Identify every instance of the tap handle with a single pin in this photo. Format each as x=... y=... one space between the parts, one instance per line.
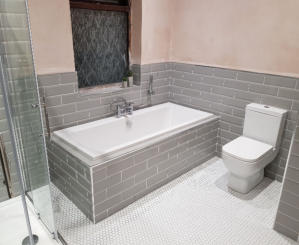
x=130 y=108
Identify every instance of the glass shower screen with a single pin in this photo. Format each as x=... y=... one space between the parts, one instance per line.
x=24 y=105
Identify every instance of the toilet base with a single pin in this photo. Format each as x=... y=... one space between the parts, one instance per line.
x=245 y=184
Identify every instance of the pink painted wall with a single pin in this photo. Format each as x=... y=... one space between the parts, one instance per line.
x=256 y=35
x=156 y=30
x=52 y=36
x=136 y=31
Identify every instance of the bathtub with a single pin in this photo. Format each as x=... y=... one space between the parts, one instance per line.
x=105 y=165
x=100 y=141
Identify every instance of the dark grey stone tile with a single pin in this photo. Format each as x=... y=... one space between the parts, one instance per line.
x=223 y=91
x=288 y=93
x=225 y=73
x=100 y=197
x=120 y=206
x=248 y=96
x=145 y=174
x=49 y=79
x=263 y=89
x=87 y=105
x=135 y=190
x=280 y=81
x=100 y=216
x=291 y=186
x=145 y=154
x=118 y=188
x=235 y=84
x=134 y=170
x=156 y=179
x=289 y=210
x=156 y=160
x=59 y=90
x=289 y=198
x=120 y=165
x=286 y=231
x=293 y=174
x=204 y=70
x=184 y=67
x=213 y=80
x=250 y=76
x=99 y=175
x=108 y=203
x=287 y=221
x=158 y=67
x=69 y=77
x=110 y=181
x=75 y=116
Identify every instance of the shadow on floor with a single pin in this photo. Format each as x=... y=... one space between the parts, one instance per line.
x=221 y=183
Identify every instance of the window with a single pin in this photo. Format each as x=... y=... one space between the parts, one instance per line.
x=100 y=36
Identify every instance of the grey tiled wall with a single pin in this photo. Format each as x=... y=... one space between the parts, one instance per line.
x=119 y=182
x=67 y=106
x=226 y=92
x=223 y=92
x=287 y=219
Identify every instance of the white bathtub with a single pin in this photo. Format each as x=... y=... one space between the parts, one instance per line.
x=105 y=139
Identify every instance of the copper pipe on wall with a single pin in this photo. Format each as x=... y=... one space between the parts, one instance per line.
x=5 y=166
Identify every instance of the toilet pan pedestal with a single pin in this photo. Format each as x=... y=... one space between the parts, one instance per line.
x=244 y=184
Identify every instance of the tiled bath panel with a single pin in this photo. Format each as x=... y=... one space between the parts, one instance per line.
x=72 y=177
x=226 y=92
x=101 y=190
x=196 y=208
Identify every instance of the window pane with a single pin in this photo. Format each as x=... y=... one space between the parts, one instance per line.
x=100 y=46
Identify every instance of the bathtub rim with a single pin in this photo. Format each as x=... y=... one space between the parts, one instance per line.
x=73 y=150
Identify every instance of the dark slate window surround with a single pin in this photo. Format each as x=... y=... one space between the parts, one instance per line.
x=100 y=45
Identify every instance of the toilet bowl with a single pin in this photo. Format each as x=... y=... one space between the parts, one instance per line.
x=246 y=159
x=248 y=155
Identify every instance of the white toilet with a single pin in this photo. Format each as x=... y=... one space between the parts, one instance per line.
x=248 y=155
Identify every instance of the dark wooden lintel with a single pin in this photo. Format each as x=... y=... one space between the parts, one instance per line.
x=99 y=6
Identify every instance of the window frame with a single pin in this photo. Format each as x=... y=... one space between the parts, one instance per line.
x=81 y=4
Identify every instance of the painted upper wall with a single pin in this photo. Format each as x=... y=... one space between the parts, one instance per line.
x=156 y=30
x=52 y=36
x=136 y=32
x=256 y=35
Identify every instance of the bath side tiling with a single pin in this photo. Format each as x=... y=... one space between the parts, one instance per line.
x=103 y=189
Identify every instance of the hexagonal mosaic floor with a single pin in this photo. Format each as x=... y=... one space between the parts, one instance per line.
x=196 y=208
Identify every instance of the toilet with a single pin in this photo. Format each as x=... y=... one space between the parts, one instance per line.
x=248 y=155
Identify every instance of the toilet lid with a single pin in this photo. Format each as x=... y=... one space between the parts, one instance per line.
x=246 y=149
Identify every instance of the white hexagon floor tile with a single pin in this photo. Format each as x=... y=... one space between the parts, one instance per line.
x=196 y=208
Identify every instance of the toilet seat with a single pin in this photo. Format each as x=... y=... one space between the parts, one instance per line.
x=247 y=150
